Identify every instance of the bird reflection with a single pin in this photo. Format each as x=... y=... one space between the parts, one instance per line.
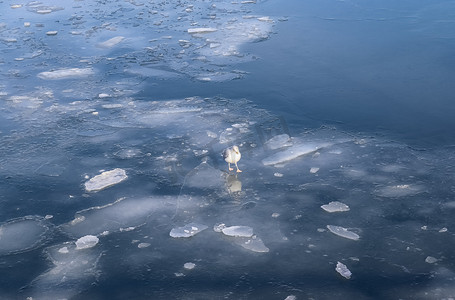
x=233 y=184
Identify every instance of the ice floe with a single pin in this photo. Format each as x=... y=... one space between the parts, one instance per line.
x=105 y=179
x=343 y=232
x=86 y=242
x=335 y=206
x=188 y=230
x=189 y=265
x=343 y=270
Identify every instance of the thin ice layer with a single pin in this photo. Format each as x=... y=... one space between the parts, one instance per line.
x=238 y=231
x=70 y=73
x=73 y=271
x=22 y=234
x=123 y=213
x=292 y=153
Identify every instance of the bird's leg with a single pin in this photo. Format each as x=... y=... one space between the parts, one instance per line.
x=229 y=166
x=238 y=170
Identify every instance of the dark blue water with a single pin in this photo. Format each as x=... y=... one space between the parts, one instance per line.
x=328 y=101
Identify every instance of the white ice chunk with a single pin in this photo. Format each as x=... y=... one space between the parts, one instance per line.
x=431 y=260
x=66 y=73
x=335 y=206
x=188 y=230
x=189 y=265
x=238 y=231
x=105 y=179
x=143 y=245
x=343 y=270
x=314 y=170
x=292 y=153
x=343 y=232
x=63 y=250
x=86 y=242
x=51 y=33
x=201 y=30
x=111 y=42
x=291 y=297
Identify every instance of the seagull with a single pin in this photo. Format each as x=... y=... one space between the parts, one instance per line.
x=232 y=156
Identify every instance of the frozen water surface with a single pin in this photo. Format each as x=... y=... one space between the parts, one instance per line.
x=94 y=93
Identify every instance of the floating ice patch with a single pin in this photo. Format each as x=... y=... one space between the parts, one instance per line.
x=87 y=241
x=189 y=265
x=343 y=270
x=400 y=190
x=431 y=260
x=314 y=170
x=105 y=179
x=279 y=141
x=238 y=231
x=111 y=42
x=188 y=230
x=143 y=245
x=343 y=232
x=335 y=206
x=292 y=153
x=22 y=234
x=66 y=73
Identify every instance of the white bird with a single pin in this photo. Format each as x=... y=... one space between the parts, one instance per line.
x=232 y=156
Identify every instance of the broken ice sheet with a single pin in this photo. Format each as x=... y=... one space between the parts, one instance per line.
x=73 y=271
x=335 y=206
x=188 y=230
x=105 y=179
x=343 y=270
x=343 y=232
x=278 y=141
